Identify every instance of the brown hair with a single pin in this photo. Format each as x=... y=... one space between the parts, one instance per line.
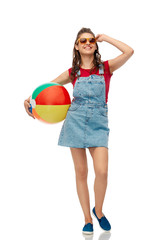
x=77 y=58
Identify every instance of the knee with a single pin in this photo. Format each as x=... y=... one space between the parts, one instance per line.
x=81 y=173
x=102 y=173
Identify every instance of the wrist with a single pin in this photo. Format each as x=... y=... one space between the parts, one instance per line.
x=105 y=37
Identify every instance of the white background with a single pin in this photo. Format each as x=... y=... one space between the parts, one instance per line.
x=38 y=198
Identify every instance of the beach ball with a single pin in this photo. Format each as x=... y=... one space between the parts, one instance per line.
x=50 y=102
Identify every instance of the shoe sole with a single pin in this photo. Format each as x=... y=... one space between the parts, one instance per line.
x=108 y=231
x=87 y=233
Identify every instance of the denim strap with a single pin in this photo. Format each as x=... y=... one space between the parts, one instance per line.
x=101 y=70
x=79 y=73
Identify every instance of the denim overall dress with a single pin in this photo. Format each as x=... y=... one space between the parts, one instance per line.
x=86 y=122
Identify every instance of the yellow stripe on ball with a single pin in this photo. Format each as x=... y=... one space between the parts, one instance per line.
x=52 y=113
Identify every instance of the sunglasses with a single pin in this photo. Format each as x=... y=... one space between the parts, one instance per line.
x=84 y=40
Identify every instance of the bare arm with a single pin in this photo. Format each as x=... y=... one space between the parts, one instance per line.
x=117 y=62
x=63 y=78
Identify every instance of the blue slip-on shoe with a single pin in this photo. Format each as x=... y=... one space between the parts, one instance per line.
x=103 y=222
x=88 y=228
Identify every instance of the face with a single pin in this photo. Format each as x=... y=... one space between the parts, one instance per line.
x=86 y=48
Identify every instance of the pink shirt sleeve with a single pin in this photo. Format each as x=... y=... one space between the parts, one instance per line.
x=106 y=66
x=73 y=82
x=69 y=70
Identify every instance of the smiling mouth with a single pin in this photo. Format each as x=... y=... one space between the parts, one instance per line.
x=87 y=47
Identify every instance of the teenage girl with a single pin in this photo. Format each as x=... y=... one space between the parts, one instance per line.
x=86 y=123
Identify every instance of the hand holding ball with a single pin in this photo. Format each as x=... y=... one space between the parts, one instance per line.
x=50 y=102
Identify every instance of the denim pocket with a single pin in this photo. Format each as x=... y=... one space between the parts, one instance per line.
x=96 y=88
x=90 y=88
x=74 y=107
x=103 y=111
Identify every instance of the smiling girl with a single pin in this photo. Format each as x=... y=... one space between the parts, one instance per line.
x=86 y=123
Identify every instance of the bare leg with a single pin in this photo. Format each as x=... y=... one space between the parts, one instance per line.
x=100 y=161
x=81 y=170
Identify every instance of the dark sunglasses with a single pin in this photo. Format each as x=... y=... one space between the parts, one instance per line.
x=84 y=40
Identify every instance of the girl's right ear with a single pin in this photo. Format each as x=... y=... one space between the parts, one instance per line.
x=76 y=47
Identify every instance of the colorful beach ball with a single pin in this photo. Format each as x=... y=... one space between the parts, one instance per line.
x=50 y=102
